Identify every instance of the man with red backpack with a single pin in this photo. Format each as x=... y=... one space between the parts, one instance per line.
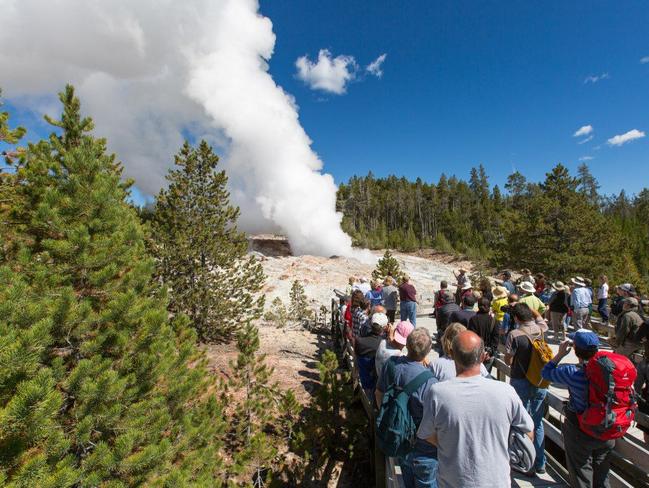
x=600 y=408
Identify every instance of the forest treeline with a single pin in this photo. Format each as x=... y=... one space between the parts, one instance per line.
x=561 y=226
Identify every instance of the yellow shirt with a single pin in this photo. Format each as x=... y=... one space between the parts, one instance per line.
x=497 y=306
x=533 y=302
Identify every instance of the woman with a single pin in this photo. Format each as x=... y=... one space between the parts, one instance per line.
x=359 y=309
x=443 y=367
x=483 y=324
x=602 y=298
x=485 y=288
x=540 y=284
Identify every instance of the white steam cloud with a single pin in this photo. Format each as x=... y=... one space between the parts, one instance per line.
x=151 y=72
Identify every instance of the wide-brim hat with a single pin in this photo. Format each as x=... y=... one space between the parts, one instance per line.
x=462 y=270
x=402 y=331
x=467 y=286
x=527 y=286
x=577 y=281
x=500 y=292
x=559 y=286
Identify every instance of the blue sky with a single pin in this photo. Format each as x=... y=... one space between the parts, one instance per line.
x=468 y=82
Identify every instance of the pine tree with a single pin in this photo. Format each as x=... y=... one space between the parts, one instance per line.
x=387 y=266
x=254 y=449
x=299 y=308
x=8 y=135
x=278 y=314
x=98 y=387
x=202 y=257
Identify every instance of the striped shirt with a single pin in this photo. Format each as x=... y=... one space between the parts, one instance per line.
x=572 y=376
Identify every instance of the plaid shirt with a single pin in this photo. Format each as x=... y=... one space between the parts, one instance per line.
x=359 y=323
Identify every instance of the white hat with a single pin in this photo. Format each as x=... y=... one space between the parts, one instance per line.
x=380 y=319
x=578 y=281
x=527 y=287
x=559 y=286
x=467 y=286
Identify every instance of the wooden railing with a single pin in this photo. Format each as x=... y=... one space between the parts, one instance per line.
x=630 y=463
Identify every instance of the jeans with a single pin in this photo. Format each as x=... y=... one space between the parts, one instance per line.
x=602 y=309
x=409 y=312
x=533 y=399
x=587 y=458
x=419 y=470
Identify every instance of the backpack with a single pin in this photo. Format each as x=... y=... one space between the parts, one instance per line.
x=540 y=356
x=611 y=397
x=395 y=427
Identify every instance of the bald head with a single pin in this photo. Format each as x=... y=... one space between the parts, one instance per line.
x=468 y=351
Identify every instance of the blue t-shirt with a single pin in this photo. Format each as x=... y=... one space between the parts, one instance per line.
x=406 y=370
x=375 y=297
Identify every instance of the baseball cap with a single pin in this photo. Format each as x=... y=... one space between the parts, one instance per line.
x=379 y=319
x=402 y=331
x=585 y=339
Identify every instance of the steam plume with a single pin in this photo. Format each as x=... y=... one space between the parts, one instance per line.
x=152 y=71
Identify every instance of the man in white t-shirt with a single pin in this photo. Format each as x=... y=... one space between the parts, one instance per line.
x=602 y=298
x=472 y=441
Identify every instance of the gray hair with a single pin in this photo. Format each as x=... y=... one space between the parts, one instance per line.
x=419 y=344
x=467 y=359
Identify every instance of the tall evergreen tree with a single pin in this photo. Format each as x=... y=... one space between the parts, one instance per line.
x=202 y=256
x=387 y=266
x=96 y=387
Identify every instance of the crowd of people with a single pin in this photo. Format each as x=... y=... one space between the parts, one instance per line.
x=476 y=324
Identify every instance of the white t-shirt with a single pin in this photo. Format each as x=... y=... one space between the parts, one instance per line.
x=383 y=353
x=443 y=369
x=471 y=418
x=602 y=292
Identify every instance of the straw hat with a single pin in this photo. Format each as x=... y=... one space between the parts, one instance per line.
x=578 y=281
x=559 y=286
x=500 y=292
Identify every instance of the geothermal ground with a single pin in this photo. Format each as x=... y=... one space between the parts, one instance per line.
x=294 y=350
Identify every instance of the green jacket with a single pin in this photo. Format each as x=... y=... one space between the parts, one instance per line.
x=627 y=325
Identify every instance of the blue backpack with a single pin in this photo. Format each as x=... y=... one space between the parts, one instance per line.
x=395 y=427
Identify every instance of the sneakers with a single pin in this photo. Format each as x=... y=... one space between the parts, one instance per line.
x=540 y=470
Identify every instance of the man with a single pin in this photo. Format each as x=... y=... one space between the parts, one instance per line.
x=580 y=301
x=443 y=287
x=365 y=349
x=526 y=276
x=530 y=299
x=443 y=315
x=461 y=278
x=419 y=467
x=587 y=457
x=408 y=299
x=390 y=294
x=393 y=345
x=352 y=285
x=518 y=353
x=507 y=282
x=626 y=328
x=508 y=324
x=363 y=285
x=625 y=290
x=462 y=316
x=472 y=440
x=558 y=309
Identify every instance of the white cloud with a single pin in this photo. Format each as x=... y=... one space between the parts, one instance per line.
x=375 y=67
x=583 y=131
x=588 y=139
x=149 y=83
x=596 y=78
x=644 y=60
x=585 y=158
x=626 y=137
x=327 y=74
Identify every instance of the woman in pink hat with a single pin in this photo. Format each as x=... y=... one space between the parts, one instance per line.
x=394 y=344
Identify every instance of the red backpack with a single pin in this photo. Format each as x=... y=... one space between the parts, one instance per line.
x=611 y=397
